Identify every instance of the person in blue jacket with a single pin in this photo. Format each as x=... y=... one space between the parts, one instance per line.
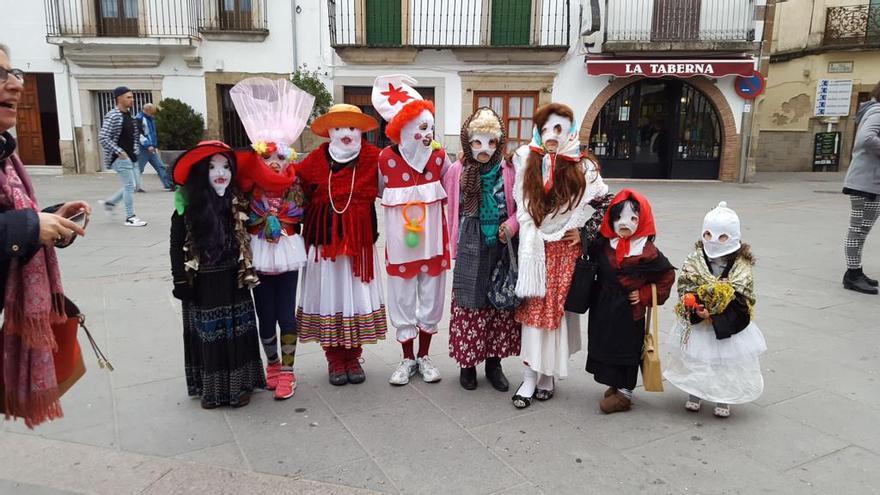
x=149 y=144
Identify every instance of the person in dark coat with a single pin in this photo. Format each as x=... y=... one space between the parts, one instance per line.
x=629 y=263
x=30 y=279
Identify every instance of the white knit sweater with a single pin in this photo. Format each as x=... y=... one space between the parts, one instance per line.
x=532 y=277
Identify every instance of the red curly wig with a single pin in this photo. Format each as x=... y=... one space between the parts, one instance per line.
x=409 y=111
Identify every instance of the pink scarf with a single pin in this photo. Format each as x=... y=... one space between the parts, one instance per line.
x=34 y=301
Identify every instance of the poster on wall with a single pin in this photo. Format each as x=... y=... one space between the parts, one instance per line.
x=833 y=97
x=826 y=152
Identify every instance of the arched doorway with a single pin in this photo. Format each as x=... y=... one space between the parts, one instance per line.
x=658 y=129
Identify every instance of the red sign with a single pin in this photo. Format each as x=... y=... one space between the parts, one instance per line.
x=667 y=67
x=749 y=87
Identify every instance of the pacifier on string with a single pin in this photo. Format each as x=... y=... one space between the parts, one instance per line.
x=413 y=227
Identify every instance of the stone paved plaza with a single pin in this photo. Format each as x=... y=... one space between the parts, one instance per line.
x=815 y=430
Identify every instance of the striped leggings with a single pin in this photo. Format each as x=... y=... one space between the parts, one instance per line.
x=862 y=217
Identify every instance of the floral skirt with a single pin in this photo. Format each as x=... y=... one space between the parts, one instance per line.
x=477 y=334
x=546 y=312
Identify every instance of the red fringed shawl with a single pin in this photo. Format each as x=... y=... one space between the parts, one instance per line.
x=351 y=233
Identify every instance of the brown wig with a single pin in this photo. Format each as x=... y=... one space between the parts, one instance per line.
x=569 y=183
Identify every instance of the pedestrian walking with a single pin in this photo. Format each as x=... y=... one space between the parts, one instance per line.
x=149 y=148
x=862 y=184
x=482 y=220
x=213 y=275
x=715 y=343
x=30 y=278
x=119 y=139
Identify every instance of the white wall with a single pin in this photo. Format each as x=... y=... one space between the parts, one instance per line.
x=24 y=33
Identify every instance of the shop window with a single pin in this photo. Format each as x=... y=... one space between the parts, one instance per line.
x=362 y=97
x=516 y=111
x=658 y=128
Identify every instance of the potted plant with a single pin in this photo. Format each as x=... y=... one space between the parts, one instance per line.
x=179 y=128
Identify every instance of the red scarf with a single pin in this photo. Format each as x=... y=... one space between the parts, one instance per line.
x=644 y=229
x=253 y=172
x=34 y=301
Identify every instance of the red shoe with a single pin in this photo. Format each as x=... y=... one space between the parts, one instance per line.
x=272 y=372
x=285 y=386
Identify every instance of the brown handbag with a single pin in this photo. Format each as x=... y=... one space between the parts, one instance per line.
x=69 y=365
x=652 y=374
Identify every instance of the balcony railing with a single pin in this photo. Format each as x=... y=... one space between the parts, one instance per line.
x=449 y=23
x=853 y=25
x=683 y=21
x=234 y=15
x=122 y=18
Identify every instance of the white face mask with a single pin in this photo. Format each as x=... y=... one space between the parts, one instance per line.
x=219 y=174
x=628 y=222
x=345 y=143
x=721 y=232
x=557 y=128
x=483 y=146
x=415 y=140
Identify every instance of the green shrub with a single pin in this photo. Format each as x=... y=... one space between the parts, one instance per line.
x=310 y=82
x=178 y=125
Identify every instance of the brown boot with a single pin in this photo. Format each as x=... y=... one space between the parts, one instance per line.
x=615 y=403
x=611 y=391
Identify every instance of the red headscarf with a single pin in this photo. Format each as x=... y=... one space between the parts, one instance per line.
x=253 y=171
x=644 y=229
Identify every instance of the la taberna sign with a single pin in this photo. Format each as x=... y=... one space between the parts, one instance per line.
x=599 y=66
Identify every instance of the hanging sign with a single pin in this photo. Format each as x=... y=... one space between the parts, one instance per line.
x=598 y=66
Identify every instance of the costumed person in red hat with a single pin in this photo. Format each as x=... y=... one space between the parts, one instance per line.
x=274 y=114
x=629 y=263
x=554 y=188
x=482 y=222
x=417 y=243
x=213 y=276
x=343 y=302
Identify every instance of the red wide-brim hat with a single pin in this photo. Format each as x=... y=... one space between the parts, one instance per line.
x=194 y=155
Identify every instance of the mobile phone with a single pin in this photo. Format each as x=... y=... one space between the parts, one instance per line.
x=81 y=219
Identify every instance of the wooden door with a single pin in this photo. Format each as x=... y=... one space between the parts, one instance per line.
x=236 y=15
x=676 y=20
x=117 y=17
x=29 y=128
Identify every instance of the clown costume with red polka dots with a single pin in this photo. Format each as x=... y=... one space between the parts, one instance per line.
x=417 y=242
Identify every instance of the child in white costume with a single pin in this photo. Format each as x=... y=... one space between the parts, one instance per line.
x=716 y=344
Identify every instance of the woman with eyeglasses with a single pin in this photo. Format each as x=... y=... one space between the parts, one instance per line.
x=30 y=281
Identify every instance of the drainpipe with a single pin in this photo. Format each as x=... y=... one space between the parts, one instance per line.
x=76 y=164
x=748 y=118
x=294 y=11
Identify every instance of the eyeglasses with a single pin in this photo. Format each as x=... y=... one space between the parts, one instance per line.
x=5 y=73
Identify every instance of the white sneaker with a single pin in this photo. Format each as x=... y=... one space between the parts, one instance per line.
x=401 y=375
x=134 y=222
x=430 y=374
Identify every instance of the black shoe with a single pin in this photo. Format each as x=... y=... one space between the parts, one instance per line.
x=468 y=378
x=872 y=282
x=856 y=280
x=519 y=401
x=495 y=375
x=355 y=372
x=338 y=375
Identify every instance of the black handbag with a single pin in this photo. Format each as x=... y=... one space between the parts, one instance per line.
x=582 y=282
x=502 y=287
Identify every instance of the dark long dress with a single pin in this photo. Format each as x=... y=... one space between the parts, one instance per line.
x=220 y=340
x=616 y=329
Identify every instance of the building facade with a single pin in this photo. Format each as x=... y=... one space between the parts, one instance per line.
x=651 y=82
x=831 y=44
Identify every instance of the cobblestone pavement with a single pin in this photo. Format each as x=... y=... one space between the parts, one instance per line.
x=135 y=431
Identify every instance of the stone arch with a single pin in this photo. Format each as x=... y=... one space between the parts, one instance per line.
x=730 y=144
